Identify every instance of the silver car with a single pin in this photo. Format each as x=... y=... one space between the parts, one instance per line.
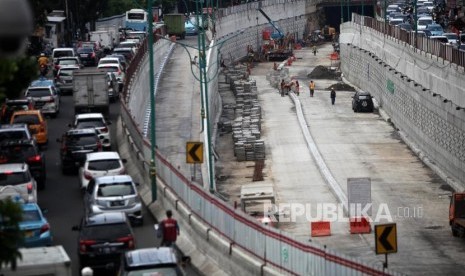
x=17 y=183
x=64 y=78
x=116 y=193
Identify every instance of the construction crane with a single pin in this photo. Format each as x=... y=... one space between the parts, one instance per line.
x=280 y=45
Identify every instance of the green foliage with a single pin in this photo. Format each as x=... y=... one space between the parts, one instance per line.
x=10 y=234
x=116 y=7
x=16 y=75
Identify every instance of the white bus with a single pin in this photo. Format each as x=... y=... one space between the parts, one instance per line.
x=136 y=19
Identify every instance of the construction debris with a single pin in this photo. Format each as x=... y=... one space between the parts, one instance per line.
x=322 y=72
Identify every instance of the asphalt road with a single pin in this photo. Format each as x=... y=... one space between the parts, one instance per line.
x=62 y=197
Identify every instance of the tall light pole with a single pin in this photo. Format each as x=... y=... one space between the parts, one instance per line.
x=342 y=13
x=153 y=169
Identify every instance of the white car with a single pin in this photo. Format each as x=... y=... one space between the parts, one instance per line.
x=423 y=22
x=17 y=183
x=96 y=121
x=44 y=93
x=110 y=60
x=100 y=164
x=115 y=68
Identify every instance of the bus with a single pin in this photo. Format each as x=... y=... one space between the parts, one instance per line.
x=136 y=19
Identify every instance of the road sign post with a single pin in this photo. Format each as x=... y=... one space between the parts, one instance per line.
x=386 y=240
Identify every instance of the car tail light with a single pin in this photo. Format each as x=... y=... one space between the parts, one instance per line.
x=35 y=158
x=87 y=175
x=29 y=188
x=99 y=146
x=44 y=228
x=51 y=100
x=105 y=130
x=84 y=243
x=42 y=127
x=129 y=240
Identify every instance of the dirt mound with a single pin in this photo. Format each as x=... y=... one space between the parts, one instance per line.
x=322 y=72
x=340 y=86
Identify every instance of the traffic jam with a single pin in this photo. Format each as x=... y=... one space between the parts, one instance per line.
x=78 y=91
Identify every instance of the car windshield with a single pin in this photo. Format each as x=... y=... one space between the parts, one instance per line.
x=106 y=231
x=109 y=69
x=67 y=62
x=104 y=165
x=425 y=21
x=13 y=178
x=38 y=92
x=13 y=135
x=31 y=216
x=82 y=140
x=89 y=123
x=451 y=36
x=165 y=271
x=115 y=189
x=63 y=54
x=85 y=50
x=66 y=72
x=29 y=119
x=17 y=153
x=108 y=61
x=435 y=28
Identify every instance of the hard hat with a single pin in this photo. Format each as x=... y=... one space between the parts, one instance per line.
x=42 y=54
x=87 y=271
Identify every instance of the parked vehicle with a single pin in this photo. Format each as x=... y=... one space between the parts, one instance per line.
x=16 y=181
x=175 y=24
x=35 y=226
x=97 y=122
x=151 y=261
x=36 y=123
x=90 y=93
x=103 y=238
x=64 y=79
x=114 y=193
x=362 y=101
x=45 y=95
x=100 y=164
x=75 y=144
x=25 y=151
x=50 y=260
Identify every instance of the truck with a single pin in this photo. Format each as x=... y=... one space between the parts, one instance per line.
x=175 y=24
x=457 y=214
x=50 y=260
x=277 y=45
x=105 y=38
x=91 y=91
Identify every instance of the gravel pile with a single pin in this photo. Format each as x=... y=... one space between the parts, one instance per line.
x=322 y=72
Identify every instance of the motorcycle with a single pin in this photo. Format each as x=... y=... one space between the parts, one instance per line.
x=43 y=69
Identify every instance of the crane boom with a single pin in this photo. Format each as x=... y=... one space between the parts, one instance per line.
x=281 y=35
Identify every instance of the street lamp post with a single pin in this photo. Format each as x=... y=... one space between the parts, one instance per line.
x=342 y=13
x=153 y=170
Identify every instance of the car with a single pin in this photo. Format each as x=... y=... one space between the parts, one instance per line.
x=191 y=29
x=396 y=21
x=103 y=239
x=453 y=38
x=111 y=60
x=100 y=164
x=34 y=226
x=114 y=87
x=424 y=21
x=36 y=123
x=127 y=52
x=66 y=61
x=64 y=79
x=25 y=151
x=17 y=183
x=62 y=52
x=392 y=8
x=45 y=95
x=75 y=144
x=435 y=29
x=461 y=47
x=10 y=106
x=122 y=60
x=362 y=101
x=88 y=56
x=15 y=132
x=440 y=38
x=97 y=122
x=130 y=43
x=151 y=261
x=114 y=193
x=117 y=69
x=406 y=26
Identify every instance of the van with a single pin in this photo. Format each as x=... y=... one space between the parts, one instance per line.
x=62 y=52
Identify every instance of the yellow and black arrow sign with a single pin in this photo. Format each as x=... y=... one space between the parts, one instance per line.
x=386 y=238
x=194 y=152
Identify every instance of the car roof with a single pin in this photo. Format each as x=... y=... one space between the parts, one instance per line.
x=89 y=115
x=43 y=82
x=102 y=155
x=63 y=49
x=113 y=179
x=363 y=93
x=110 y=58
x=13 y=167
x=106 y=218
x=30 y=206
x=81 y=131
x=28 y=112
x=13 y=126
x=147 y=257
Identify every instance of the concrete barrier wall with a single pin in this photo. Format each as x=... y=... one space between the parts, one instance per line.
x=408 y=85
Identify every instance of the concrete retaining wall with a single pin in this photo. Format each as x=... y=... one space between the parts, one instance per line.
x=418 y=92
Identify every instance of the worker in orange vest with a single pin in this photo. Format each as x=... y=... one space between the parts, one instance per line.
x=311 y=86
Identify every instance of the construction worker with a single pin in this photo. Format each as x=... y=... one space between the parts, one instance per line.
x=332 y=95
x=283 y=86
x=43 y=60
x=314 y=50
x=311 y=86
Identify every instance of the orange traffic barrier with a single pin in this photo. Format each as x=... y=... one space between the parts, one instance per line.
x=320 y=228
x=297 y=46
x=359 y=225
x=289 y=62
x=334 y=56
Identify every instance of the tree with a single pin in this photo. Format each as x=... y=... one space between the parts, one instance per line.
x=16 y=75
x=10 y=233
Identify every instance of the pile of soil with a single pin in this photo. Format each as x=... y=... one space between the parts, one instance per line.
x=340 y=86
x=322 y=72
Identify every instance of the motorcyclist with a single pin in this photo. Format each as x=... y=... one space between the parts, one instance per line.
x=43 y=60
